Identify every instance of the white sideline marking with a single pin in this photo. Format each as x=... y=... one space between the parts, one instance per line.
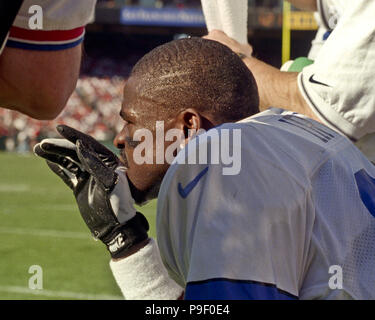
x=46 y=233
x=14 y=187
x=59 y=294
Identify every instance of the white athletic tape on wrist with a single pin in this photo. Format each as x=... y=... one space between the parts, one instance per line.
x=212 y=15
x=234 y=16
x=229 y=16
x=142 y=276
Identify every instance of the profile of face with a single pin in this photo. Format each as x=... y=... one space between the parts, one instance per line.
x=141 y=115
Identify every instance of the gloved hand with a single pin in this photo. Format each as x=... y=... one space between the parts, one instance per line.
x=100 y=186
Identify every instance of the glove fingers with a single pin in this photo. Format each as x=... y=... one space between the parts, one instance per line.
x=73 y=135
x=62 y=161
x=94 y=165
x=60 y=147
x=68 y=179
x=43 y=154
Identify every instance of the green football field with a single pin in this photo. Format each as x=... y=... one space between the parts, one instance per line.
x=40 y=225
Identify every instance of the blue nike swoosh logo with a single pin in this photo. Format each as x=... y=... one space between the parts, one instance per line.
x=184 y=192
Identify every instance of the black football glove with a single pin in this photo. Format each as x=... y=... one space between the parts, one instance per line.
x=100 y=186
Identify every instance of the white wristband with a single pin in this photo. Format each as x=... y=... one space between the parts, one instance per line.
x=142 y=276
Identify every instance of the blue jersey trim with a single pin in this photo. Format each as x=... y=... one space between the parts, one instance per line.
x=326 y=35
x=366 y=188
x=229 y=289
x=43 y=47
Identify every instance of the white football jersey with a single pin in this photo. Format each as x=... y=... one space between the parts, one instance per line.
x=330 y=11
x=327 y=17
x=339 y=86
x=296 y=221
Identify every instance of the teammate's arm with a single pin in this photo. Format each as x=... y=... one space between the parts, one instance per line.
x=276 y=88
x=38 y=83
x=39 y=66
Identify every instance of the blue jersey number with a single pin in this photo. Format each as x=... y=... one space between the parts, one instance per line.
x=366 y=187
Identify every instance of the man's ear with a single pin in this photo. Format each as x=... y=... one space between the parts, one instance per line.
x=191 y=119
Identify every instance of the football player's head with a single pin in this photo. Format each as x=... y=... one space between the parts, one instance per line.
x=189 y=84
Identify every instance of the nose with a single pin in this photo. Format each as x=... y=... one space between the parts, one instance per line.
x=119 y=140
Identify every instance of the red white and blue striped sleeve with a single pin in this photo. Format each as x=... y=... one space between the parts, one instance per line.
x=45 y=40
